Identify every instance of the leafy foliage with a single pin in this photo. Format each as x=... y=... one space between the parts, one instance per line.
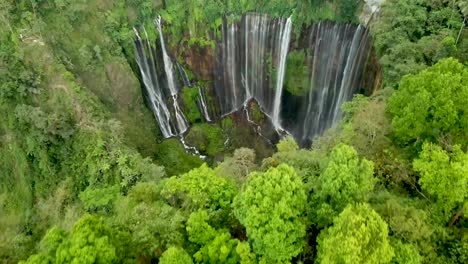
x=217 y=246
x=175 y=255
x=75 y=138
x=207 y=138
x=171 y=154
x=189 y=96
x=239 y=166
x=346 y=179
x=417 y=38
x=358 y=235
x=271 y=207
x=443 y=175
x=152 y=225
x=91 y=241
x=430 y=105
x=99 y=199
x=201 y=188
x=406 y=253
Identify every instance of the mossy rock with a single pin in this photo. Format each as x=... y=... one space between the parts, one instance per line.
x=189 y=97
x=172 y=155
x=207 y=138
x=256 y=113
x=297 y=73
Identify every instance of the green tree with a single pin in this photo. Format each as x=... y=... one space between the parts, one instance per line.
x=431 y=105
x=239 y=166
x=346 y=179
x=175 y=255
x=358 y=235
x=413 y=232
x=152 y=225
x=217 y=246
x=245 y=253
x=100 y=199
x=443 y=175
x=347 y=10
x=200 y=188
x=287 y=144
x=405 y=253
x=48 y=246
x=308 y=164
x=271 y=207
x=91 y=241
x=172 y=155
x=207 y=138
x=417 y=38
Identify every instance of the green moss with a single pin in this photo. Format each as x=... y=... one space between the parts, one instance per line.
x=189 y=97
x=171 y=154
x=270 y=68
x=297 y=73
x=227 y=123
x=206 y=138
x=201 y=42
x=256 y=114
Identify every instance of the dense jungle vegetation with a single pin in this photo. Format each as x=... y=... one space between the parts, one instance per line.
x=85 y=176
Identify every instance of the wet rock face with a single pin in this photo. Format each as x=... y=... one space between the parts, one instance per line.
x=328 y=63
x=200 y=61
x=329 y=70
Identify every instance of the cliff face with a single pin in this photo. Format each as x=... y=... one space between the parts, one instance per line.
x=199 y=60
x=298 y=82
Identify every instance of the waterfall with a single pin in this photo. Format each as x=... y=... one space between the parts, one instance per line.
x=191 y=150
x=169 y=69
x=159 y=88
x=246 y=54
x=337 y=56
x=231 y=58
x=251 y=63
x=284 y=39
x=155 y=96
x=202 y=105
x=184 y=75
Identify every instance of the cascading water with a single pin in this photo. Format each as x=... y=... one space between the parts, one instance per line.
x=246 y=57
x=156 y=89
x=169 y=69
x=145 y=58
x=337 y=58
x=284 y=38
x=251 y=63
x=184 y=75
x=202 y=104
